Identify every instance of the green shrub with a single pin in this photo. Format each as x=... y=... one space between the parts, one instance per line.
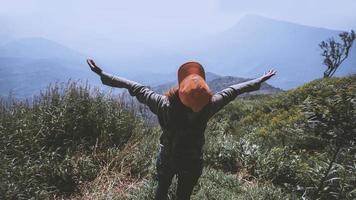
x=221 y=148
x=60 y=140
x=216 y=185
x=301 y=139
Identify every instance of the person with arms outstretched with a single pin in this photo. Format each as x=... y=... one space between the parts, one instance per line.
x=183 y=113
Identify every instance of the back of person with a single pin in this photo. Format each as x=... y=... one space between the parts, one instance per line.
x=185 y=130
x=180 y=150
x=183 y=114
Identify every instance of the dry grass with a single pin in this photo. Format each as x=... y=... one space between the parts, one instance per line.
x=108 y=184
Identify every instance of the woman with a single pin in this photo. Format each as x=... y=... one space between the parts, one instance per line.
x=183 y=113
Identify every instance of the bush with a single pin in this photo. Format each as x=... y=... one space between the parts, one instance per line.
x=60 y=140
x=307 y=132
x=221 y=148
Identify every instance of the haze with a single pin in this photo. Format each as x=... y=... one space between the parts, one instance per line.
x=124 y=26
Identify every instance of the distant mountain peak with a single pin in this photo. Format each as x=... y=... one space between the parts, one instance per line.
x=256 y=42
x=256 y=17
x=34 y=42
x=259 y=19
x=37 y=48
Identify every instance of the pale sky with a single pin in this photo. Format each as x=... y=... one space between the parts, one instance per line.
x=78 y=23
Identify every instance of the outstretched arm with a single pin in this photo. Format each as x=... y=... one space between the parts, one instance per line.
x=220 y=99
x=109 y=79
x=143 y=94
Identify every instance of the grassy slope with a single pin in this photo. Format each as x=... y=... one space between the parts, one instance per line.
x=81 y=145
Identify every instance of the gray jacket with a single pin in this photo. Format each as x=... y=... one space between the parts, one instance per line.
x=182 y=129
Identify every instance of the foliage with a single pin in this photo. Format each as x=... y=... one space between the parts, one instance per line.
x=221 y=152
x=302 y=140
x=60 y=140
x=335 y=53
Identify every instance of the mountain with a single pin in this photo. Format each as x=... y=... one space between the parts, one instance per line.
x=252 y=46
x=38 y=48
x=256 y=43
x=225 y=81
x=247 y=49
x=30 y=64
x=217 y=83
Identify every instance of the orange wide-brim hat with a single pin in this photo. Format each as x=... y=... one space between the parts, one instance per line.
x=193 y=91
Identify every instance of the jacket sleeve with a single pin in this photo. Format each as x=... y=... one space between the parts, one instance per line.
x=143 y=94
x=222 y=98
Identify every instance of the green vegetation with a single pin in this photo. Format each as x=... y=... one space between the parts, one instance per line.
x=335 y=53
x=75 y=142
x=302 y=140
x=61 y=140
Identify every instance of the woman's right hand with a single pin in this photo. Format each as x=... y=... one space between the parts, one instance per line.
x=94 y=67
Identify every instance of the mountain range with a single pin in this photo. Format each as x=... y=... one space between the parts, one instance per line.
x=30 y=64
x=257 y=43
x=246 y=50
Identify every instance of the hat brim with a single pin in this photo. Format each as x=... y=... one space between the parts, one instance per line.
x=190 y=68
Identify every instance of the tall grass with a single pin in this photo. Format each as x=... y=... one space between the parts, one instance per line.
x=61 y=139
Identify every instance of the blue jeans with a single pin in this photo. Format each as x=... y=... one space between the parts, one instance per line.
x=188 y=172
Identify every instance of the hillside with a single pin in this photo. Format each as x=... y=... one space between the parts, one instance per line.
x=77 y=144
x=217 y=83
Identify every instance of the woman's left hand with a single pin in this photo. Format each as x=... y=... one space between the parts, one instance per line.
x=268 y=75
